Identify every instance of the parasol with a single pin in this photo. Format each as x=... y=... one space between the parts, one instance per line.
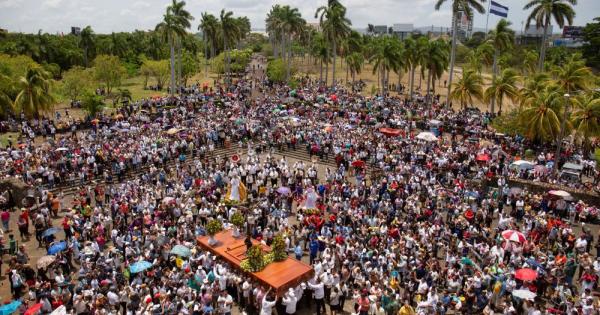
x=10 y=308
x=560 y=193
x=57 y=248
x=358 y=163
x=284 y=190
x=139 y=266
x=524 y=294
x=483 y=157
x=427 y=136
x=514 y=236
x=181 y=250
x=526 y=274
x=50 y=231
x=522 y=165
x=34 y=309
x=390 y=132
x=45 y=261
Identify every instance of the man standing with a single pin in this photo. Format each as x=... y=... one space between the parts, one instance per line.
x=290 y=300
x=225 y=301
x=319 y=294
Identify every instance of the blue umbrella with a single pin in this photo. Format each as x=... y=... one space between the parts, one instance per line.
x=56 y=248
x=10 y=308
x=139 y=266
x=50 y=231
x=533 y=263
x=181 y=250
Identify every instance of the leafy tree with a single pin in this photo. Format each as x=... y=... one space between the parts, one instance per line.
x=533 y=86
x=476 y=39
x=239 y=59
x=572 y=77
x=386 y=57
x=158 y=69
x=276 y=70
x=92 y=103
x=6 y=92
x=189 y=66
x=230 y=31
x=75 y=82
x=469 y=87
x=591 y=46
x=543 y=12
x=123 y=96
x=34 y=95
x=503 y=86
x=108 y=71
x=467 y=7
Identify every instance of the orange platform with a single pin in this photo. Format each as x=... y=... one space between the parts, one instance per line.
x=278 y=275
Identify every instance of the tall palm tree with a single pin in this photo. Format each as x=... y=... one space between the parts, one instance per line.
x=533 y=86
x=6 y=86
x=170 y=29
x=543 y=12
x=335 y=26
x=574 y=76
x=184 y=17
x=586 y=117
x=540 y=118
x=469 y=87
x=290 y=24
x=503 y=86
x=273 y=24
x=87 y=40
x=230 y=31
x=34 y=93
x=501 y=38
x=435 y=60
x=320 y=51
x=210 y=29
x=386 y=57
x=355 y=62
x=467 y=7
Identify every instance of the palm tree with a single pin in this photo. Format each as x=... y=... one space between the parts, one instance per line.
x=273 y=24
x=435 y=60
x=289 y=23
x=124 y=95
x=184 y=17
x=543 y=12
x=210 y=29
x=355 y=62
x=501 y=38
x=503 y=86
x=469 y=87
x=466 y=6
x=533 y=86
x=386 y=57
x=480 y=56
x=320 y=51
x=87 y=42
x=574 y=76
x=34 y=94
x=230 y=31
x=6 y=86
x=335 y=25
x=170 y=29
x=586 y=117
x=540 y=118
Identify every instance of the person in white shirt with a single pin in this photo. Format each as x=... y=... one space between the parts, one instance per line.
x=225 y=301
x=290 y=300
x=266 y=305
x=319 y=294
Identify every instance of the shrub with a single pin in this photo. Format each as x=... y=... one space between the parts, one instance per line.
x=255 y=260
x=237 y=219
x=213 y=227
x=278 y=248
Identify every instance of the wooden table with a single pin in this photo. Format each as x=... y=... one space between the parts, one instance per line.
x=278 y=275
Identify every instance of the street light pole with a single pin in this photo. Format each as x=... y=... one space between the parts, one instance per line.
x=561 y=133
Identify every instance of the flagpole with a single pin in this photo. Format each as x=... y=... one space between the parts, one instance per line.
x=488 y=16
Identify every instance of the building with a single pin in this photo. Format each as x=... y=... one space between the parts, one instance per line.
x=403 y=30
x=380 y=29
x=315 y=25
x=464 y=25
x=573 y=32
x=533 y=35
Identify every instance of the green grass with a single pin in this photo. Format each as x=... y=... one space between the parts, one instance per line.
x=13 y=136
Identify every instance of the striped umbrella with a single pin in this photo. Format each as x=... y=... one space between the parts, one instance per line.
x=514 y=236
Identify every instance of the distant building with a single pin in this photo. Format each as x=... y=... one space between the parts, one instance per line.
x=464 y=25
x=402 y=30
x=380 y=29
x=315 y=25
x=75 y=30
x=533 y=35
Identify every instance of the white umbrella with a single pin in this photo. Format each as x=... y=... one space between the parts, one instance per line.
x=435 y=122
x=172 y=131
x=524 y=294
x=168 y=200
x=427 y=136
x=62 y=149
x=522 y=164
x=61 y=310
x=560 y=193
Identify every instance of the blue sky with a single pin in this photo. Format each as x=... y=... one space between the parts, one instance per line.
x=106 y=16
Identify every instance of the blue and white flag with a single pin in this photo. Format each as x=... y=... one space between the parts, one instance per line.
x=498 y=9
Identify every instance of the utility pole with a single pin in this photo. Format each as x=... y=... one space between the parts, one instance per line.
x=561 y=134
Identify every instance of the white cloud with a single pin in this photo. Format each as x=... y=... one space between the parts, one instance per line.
x=52 y=3
x=10 y=3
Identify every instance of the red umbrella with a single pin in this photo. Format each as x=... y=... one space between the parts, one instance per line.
x=333 y=97
x=358 y=163
x=526 y=274
x=514 y=236
x=483 y=157
x=390 y=132
x=33 y=309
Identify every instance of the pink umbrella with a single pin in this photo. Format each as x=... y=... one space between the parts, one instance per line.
x=514 y=236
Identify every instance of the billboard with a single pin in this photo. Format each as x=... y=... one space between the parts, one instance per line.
x=572 y=31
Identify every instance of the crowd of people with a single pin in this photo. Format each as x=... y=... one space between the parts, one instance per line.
x=401 y=225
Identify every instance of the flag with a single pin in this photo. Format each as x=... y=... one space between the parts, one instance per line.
x=498 y=9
